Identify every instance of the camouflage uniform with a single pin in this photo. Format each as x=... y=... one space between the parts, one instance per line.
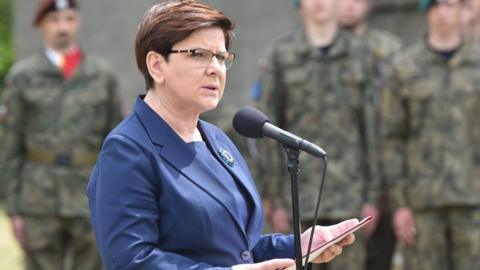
x=325 y=98
x=381 y=245
x=54 y=130
x=432 y=153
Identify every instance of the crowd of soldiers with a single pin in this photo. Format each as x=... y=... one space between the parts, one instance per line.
x=399 y=124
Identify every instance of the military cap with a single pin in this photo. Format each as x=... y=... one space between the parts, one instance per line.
x=427 y=4
x=46 y=6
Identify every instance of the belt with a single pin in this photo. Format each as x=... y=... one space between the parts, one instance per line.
x=68 y=159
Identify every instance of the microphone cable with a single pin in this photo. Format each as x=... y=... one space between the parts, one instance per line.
x=315 y=216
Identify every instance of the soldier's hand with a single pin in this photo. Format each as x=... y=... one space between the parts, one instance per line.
x=3 y=113
x=404 y=226
x=266 y=265
x=18 y=226
x=279 y=220
x=370 y=210
x=267 y=208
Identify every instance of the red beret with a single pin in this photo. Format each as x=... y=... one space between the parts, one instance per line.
x=46 y=6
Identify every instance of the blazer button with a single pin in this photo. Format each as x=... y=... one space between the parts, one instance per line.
x=246 y=255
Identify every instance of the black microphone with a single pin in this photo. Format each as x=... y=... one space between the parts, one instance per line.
x=252 y=123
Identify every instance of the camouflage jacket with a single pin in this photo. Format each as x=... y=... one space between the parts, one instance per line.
x=50 y=116
x=382 y=43
x=431 y=147
x=325 y=99
x=384 y=46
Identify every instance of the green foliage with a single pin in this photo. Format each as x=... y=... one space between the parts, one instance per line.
x=6 y=48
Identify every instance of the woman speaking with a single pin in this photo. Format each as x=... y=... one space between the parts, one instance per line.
x=170 y=191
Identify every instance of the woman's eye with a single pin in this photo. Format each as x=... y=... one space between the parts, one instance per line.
x=197 y=54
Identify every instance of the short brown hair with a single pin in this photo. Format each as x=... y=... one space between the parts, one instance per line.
x=172 y=21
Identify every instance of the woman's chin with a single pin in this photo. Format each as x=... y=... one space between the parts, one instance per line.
x=210 y=106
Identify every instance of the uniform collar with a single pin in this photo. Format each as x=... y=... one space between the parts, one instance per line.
x=55 y=57
x=339 y=48
x=49 y=68
x=463 y=56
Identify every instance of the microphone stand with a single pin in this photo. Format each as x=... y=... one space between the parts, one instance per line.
x=293 y=169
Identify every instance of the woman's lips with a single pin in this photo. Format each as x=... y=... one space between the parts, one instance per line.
x=211 y=87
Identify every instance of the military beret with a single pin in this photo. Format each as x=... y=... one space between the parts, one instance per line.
x=427 y=4
x=46 y=6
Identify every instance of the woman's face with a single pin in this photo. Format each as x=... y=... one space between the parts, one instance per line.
x=193 y=82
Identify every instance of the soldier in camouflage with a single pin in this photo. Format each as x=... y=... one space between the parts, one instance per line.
x=352 y=15
x=432 y=144
x=317 y=83
x=61 y=103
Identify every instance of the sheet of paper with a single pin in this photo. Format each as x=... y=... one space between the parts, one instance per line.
x=316 y=251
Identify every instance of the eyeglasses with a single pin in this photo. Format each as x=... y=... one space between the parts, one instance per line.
x=204 y=57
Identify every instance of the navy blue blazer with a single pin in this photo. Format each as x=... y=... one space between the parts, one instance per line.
x=154 y=206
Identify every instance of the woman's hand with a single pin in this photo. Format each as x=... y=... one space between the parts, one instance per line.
x=326 y=233
x=266 y=265
x=279 y=220
x=322 y=234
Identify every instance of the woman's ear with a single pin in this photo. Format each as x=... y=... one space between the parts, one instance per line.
x=155 y=64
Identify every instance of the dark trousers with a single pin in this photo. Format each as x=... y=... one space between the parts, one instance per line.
x=381 y=245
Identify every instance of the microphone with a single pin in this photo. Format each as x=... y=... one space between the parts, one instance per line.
x=252 y=123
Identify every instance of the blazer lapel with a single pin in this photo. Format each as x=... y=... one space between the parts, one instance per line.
x=180 y=156
x=240 y=173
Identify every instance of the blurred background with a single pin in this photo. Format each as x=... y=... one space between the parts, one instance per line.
x=109 y=27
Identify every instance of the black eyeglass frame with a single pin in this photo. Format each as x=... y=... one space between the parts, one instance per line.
x=228 y=63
